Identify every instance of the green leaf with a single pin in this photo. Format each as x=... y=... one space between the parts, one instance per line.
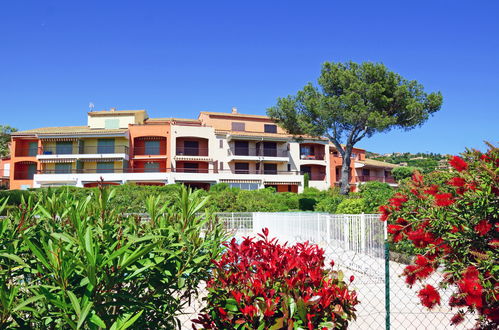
x=95 y=319
x=84 y=314
x=27 y=302
x=74 y=302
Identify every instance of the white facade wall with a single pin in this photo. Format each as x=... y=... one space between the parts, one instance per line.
x=79 y=179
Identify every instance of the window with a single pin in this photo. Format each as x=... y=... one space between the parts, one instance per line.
x=270 y=128
x=221 y=143
x=289 y=167
x=105 y=146
x=63 y=147
x=366 y=172
x=191 y=168
x=33 y=149
x=31 y=171
x=306 y=169
x=238 y=126
x=221 y=166
x=105 y=167
x=151 y=167
x=242 y=168
x=112 y=123
x=306 y=152
x=269 y=168
x=270 y=149
x=244 y=186
x=191 y=148
x=63 y=168
x=151 y=147
x=257 y=167
x=241 y=148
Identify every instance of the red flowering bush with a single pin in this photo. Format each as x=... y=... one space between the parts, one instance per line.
x=455 y=228
x=261 y=284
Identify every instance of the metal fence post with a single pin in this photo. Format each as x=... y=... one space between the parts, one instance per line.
x=345 y=232
x=363 y=240
x=387 y=279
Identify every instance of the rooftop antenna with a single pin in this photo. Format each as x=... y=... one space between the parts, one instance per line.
x=91 y=106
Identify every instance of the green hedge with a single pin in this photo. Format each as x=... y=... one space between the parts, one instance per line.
x=130 y=198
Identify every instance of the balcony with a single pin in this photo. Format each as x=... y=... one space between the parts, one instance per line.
x=149 y=152
x=312 y=157
x=258 y=154
x=366 y=178
x=188 y=151
x=316 y=176
x=26 y=152
x=68 y=152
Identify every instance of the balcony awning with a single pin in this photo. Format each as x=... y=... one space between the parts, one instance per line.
x=239 y=181
x=48 y=139
x=194 y=158
x=25 y=162
x=101 y=159
x=58 y=160
x=283 y=182
x=150 y=138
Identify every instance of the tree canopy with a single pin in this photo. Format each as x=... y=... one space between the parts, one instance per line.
x=5 y=132
x=352 y=101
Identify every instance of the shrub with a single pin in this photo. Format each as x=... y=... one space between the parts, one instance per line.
x=351 y=206
x=70 y=262
x=403 y=172
x=265 y=285
x=454 y=225
x=375 y=194
x=329 y=203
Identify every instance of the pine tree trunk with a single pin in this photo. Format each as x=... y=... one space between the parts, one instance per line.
x=345 y=173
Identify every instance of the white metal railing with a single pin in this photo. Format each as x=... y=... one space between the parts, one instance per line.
x=355 y=241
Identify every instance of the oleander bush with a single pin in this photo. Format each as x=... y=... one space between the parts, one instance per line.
x=453 y=223
x=261 y=284
x=73 y=262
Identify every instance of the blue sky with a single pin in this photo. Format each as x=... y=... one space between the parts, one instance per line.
x=179 y=58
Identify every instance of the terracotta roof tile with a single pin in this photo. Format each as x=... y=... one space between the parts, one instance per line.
x=377 y=163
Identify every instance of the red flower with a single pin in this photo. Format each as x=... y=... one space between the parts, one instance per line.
x=456 y=319
x=444 y=199
x=432 y=190
x=398 y=200
x=454 y=229
x=385 y=212
x=458 y=163
x=352 y=278
x=483 y=227
x=429 y=296
x=457 y=182
x=249 y=310
x=222 y=311
x=417 y=178
x=420 y=238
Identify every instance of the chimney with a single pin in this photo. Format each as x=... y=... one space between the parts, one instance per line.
x=234 y=110
x=112 y=109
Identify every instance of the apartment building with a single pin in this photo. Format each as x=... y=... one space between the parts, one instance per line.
x=120 y=146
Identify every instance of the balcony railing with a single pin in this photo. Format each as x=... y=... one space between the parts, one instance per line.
x=367 y=178
x=316 y=176
x=165 y=170
x=312 y=157
x=149 y=151
x=74 y=150
x=189 y=151
x=264 y=152
x=26 y=152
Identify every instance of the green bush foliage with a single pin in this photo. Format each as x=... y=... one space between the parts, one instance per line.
x=351 y=206
x=404 y=172
x=71 y=261
x=375 y=194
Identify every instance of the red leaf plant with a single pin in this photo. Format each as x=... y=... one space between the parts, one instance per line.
x=451 y=219
x=262 y=284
